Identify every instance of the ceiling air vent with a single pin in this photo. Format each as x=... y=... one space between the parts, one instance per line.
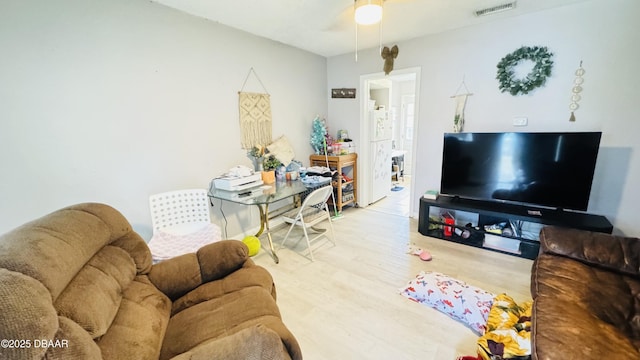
x=496 y=9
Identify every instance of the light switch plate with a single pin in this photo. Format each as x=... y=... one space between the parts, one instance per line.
x=520 y=121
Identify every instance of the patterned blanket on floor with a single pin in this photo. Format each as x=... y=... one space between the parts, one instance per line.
x=504 y=326
x=508 y=334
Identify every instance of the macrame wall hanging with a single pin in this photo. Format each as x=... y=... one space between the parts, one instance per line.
x=460 y=97
x=255 y=115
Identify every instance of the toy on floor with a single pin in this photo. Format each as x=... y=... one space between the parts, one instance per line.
x=424 y=255
x=253 y=243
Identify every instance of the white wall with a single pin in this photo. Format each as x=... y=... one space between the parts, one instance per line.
x=601 y=33
x=381 y=97
x=114 y=100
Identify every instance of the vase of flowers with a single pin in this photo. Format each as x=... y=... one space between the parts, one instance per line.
x=256 y=154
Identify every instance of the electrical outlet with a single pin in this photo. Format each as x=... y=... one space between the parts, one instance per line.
x=520 y=121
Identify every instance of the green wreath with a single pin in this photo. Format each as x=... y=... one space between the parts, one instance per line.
x=536 y=78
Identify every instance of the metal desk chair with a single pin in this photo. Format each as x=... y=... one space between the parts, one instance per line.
x=314 y=210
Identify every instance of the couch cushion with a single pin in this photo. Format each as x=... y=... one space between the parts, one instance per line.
x=282 y=150
x=254 y=343
x=224 y=316
x=615 y=253
x=92 y=298
x=137 y=248
x=54 y=248
x=592 y=311
x=27 y=314
x=71 y=341
x=140 y=324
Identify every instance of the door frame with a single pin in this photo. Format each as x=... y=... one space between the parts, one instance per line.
x=364 y=154
x=403 y=122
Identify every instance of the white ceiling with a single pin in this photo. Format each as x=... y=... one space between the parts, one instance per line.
x=326 y=27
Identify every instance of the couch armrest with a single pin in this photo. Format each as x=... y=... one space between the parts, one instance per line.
x=177 y=276
x=607 y=251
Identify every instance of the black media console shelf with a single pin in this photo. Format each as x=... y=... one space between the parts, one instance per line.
x=515 y=227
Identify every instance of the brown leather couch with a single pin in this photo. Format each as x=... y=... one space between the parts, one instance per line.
x=79 y=284
x=586 y=291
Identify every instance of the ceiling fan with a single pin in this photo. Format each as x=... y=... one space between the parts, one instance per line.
x=362 y=12
x=367 y=12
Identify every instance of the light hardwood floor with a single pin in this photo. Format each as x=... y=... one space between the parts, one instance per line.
x=346 y=304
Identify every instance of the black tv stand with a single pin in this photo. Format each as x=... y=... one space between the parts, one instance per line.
x=467 y=221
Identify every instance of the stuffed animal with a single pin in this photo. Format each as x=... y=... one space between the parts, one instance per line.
x=388 y=56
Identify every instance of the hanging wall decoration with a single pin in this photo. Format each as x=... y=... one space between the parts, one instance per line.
x=506 y=76
x=460 y=97
x=255 y=116
x=575 y=91
x=343 y=93
x=389 y=55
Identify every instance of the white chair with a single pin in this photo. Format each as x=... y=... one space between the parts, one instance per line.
x=313 y=210
x=181 y=223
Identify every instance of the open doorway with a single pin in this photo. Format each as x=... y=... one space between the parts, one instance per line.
x=388 y=113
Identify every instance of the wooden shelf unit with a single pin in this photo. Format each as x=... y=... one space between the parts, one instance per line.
x=343 y=164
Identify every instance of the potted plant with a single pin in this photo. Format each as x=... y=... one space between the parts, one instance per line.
x=269 y=165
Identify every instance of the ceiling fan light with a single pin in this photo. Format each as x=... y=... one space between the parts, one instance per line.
x=368 y=12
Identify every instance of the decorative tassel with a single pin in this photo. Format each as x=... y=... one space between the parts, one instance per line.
x=576 y=90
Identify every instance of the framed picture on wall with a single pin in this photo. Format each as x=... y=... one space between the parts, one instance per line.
x=343 y=93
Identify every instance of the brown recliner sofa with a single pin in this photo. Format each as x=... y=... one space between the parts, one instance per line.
x=79 y=284
x=586 y=291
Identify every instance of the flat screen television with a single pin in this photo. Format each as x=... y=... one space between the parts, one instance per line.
x=547 y=169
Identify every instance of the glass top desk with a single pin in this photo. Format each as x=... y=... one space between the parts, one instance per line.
x=262 y=196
